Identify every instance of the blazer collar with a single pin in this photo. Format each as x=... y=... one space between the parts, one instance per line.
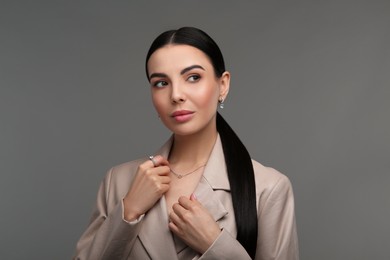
x=215 y=172
x=155 y=234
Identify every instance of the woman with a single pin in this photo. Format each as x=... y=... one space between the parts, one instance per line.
x=200 y=196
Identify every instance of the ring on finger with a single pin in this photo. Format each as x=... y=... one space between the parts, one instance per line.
x=153 y=161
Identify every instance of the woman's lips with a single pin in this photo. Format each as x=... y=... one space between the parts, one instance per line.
x=182 y=116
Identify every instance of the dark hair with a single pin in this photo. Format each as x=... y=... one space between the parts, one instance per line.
x=193 y=37
x=237 y=159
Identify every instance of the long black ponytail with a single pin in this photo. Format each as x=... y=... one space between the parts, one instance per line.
x=242 y=185
x=238 y=161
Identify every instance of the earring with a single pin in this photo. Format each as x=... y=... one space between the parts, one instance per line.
x=221 y=104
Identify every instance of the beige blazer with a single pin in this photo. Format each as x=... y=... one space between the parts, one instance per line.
x=109 y=236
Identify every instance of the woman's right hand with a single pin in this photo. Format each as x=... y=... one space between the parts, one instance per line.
x=149 y=185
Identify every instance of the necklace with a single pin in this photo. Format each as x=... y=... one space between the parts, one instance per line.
x=188 y=173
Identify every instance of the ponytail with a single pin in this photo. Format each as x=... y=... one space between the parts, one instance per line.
x=242 y=185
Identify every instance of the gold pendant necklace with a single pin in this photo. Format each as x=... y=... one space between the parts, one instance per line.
x=188 y=173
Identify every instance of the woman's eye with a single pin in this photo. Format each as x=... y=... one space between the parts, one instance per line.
x=193 y=78
x=160 y=84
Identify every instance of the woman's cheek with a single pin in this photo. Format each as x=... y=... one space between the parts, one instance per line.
x=158 y=104
x=206 y=96
x=211 y=100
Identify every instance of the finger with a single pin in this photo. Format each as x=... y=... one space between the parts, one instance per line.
x=179 y=210
x=164 y=188
x=173 y=227
x=160 y=166
x=193 y=197
x=186 y=202
x=161 y=170
x=147 y=164
x=163 y=161
x=174 y=218
x=176 y=223
x=158 y=160
x=194 y=200
x=164 y=179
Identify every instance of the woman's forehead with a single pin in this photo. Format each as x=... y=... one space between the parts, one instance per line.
x=177 y=55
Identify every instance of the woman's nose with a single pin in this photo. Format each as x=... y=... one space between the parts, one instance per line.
x=177 y=94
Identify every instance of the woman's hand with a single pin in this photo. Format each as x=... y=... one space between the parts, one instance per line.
x=193 y=224
x=149 y=185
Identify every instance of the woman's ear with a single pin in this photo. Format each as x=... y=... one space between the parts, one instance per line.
x=224 y=85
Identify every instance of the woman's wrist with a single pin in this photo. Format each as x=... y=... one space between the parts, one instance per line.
x=129 y=214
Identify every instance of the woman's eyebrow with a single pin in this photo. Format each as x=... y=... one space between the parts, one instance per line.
x=190 y=68
x=158 y=75
x=163 y=75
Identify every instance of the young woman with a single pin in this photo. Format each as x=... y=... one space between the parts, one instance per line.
x=200 y=196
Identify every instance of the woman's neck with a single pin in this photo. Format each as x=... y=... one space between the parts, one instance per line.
x=192 y=150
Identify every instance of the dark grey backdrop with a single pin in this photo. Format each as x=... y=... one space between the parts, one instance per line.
x=310 y=96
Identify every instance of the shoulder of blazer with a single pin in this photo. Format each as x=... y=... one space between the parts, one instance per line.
x=118 y=180
x=266 y=176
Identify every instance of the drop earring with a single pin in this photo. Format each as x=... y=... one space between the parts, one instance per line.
x=221 y=104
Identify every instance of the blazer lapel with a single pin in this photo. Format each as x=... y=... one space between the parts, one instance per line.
x=209 y=199
x=155 y=234
x=214 y=178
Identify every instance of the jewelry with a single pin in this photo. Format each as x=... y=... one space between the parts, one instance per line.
x=153 y=161
x=221 y=104
x=188 y=173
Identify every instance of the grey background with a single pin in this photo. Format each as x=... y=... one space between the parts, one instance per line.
x=309 y=96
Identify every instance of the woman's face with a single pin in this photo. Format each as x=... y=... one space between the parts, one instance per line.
x=185 y=90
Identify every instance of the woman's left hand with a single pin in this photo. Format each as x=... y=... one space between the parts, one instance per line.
x=193 y=224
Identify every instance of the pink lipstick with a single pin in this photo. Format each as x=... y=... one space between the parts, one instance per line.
x=182 y=116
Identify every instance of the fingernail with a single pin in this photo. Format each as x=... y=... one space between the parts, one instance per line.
x=193 y=196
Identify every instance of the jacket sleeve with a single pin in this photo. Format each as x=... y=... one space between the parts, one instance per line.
x=277 y=236
x=108 y=235
x=225 y=247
